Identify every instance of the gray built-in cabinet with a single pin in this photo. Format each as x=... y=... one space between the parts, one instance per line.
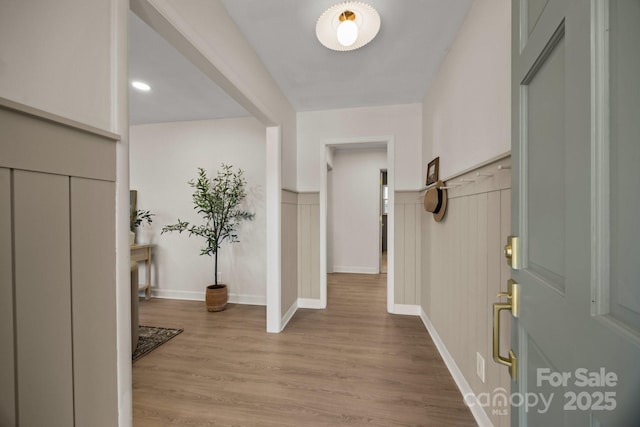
x=57 y=271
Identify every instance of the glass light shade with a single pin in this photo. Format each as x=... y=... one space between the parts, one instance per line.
x=347 y=33
x=363 y=17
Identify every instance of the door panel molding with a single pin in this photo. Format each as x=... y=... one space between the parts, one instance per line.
x=530 y=42
x=600 y=176
x=522 y=194
x=550 y=47
x=548 y=265
x=531 y=11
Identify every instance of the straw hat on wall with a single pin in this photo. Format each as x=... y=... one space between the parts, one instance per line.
x=435 y=201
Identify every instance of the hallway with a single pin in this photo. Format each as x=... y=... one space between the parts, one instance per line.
x=351 y=364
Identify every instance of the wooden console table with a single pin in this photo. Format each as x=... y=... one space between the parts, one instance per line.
x=143 y=253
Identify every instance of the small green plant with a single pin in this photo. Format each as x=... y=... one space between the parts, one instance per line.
x=139 y=217
x=218 y=201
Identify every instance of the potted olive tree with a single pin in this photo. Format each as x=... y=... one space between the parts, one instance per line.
x=218 y=201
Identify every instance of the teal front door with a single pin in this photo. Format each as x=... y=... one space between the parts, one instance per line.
x=576 y=213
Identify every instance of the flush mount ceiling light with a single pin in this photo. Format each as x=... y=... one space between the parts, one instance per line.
x=142 y=86
x=347 y=26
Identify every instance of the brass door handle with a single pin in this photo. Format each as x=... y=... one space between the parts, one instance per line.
x=513 y=294
x=511 y=361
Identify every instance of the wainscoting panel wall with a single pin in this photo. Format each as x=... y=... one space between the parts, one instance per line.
x=289 y=264
x=7 y=375
x=93 y=232
x=408 y=208
x=58 y=362
x=463 y=270
x=42 y=252
x=309 y=245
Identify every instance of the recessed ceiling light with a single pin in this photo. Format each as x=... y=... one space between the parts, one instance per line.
x=141 y=86
x=348 y=26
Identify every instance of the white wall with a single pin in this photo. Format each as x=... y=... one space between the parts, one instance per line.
x=355 y=210
x=466 y=114
x=401 y=121
x=55 y=56
x=163 y=158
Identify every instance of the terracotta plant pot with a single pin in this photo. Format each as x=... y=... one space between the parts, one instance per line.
x=216 y=297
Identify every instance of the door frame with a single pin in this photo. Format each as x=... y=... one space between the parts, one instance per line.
x=360 y=143
x=381 y=229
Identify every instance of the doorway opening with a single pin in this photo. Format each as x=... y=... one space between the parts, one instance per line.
x=330 y=152
x=157 y=32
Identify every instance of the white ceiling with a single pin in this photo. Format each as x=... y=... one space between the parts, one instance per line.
x=395 y=68
x=179 y=90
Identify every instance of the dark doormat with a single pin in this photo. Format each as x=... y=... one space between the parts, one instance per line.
x=151 y=337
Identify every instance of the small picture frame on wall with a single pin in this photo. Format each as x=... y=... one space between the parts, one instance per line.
x=133 y=201
x=432 y=171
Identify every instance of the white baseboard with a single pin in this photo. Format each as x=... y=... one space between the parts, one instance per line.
x=407 y=309
x=310 y=303
x=288 y=315
x=357 y=270
x=478 y=412
x=200 y=296
x=183 y=295
x=247 y=299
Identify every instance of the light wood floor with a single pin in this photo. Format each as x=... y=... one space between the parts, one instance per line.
x=352 y=364
x=383 y=262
